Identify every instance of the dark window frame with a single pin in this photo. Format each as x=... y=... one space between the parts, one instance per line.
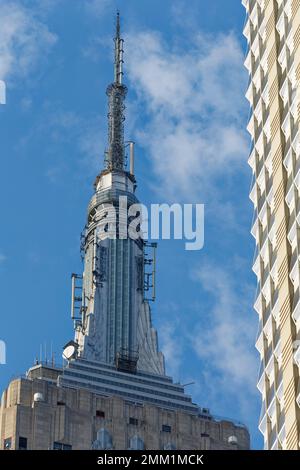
x=60 y=446
x=23 y=441
x=7 y=440
x=166 y=428
x=133 y=421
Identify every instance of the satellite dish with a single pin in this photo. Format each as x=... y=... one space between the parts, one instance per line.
x=70 y=350
x=38 y=397
x=232 y=440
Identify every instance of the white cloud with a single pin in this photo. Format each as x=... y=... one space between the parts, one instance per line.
x=171 y=346
x=2 y=258
x=97 y=7
x=92 y=140
x=55 y=173
x=65 y=127
x=185 y=18
x=193 y=102
x=26 y=103
x=224 y=339
x=23 y=40
x=87 y=132
x=191 y=113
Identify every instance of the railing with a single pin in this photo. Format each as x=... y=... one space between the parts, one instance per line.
x=276 y=339
x=254 y=66
x=273 y=438
x=264 y=82
x=267 y=150
x=274 y=298
x=285 y=112
x=233 y=421
x=256 y=98
x=110 y=195
x=295 y=130
x=268 y=355
x=263 y=240
x=259 y=166
x=261 y=202
x=262 y=411
x=259 y=329
x=296 y=169
x=253 y=33
x=261 y=371
x=267 y=312
x=272 y=260
x=270 y=395
x=296 y=298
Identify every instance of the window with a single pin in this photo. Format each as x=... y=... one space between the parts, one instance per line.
x=169 y=446
x=22 y=443
x=204 y=434
x=133 y=421
x=60 y=403
x=57 y=446
x=60 y=446
x=166 y=428
x=67 y=447
x=100 y=414
x=136 y=443
x=7 y=443
x=103 y=441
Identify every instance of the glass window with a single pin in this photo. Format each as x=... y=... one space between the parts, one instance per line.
x=133 y=421
x=166 y=428
x=103 y=441
x=61 y=446
x=136 y=443
x=67 y=447
x=7 y=443
x=169 y=446
x=22 y=443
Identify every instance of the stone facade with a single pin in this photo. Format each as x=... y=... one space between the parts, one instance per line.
x=37 y=414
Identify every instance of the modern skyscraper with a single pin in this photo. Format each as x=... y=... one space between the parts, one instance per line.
x=272 y=30
x=113 y=392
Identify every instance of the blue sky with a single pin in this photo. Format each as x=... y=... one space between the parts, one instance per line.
x=187 y=113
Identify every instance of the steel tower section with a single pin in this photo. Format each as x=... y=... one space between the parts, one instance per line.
x=116 y=93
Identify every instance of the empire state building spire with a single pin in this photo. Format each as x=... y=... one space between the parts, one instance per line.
x=114 y=325
x=116 y=93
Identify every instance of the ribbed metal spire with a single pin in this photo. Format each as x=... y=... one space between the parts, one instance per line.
x=116 y=93
x=118 y=53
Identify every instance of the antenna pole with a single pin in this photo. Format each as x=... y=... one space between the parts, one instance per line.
x=116 y=92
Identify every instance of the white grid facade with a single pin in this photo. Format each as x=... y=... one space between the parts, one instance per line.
x=272 y=30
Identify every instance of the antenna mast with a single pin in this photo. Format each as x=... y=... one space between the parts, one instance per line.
x=116 y=92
